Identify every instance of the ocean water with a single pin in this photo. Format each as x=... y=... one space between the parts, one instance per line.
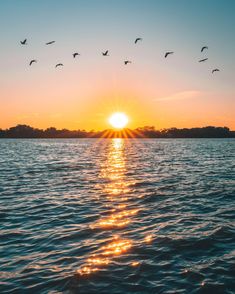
x=117 y=216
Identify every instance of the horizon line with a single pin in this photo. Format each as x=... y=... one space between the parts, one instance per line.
x=145 y=127
x=25 y=131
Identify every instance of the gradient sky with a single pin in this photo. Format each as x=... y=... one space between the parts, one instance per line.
x=173 y=92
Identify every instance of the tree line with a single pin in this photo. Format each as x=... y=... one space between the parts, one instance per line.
x=25 y=131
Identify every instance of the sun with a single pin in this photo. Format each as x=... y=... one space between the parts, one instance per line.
x=118 y=120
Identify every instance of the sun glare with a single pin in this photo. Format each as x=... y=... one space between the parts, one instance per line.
x=118 y=120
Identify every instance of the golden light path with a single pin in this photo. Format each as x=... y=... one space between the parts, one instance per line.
x=113 y=170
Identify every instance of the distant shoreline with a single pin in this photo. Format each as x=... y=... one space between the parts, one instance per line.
x=147 y=132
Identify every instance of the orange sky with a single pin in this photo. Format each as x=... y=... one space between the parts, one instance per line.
x=180 y=109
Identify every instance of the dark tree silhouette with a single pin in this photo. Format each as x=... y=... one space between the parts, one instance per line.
x=24 y=131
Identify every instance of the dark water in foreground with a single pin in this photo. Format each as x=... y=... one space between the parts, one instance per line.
x=117 y=216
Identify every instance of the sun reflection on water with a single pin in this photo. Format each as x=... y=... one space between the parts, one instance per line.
x=114 y=169
x=148 y=238
x=115 y=187
x=107 y=253
x=118 y=219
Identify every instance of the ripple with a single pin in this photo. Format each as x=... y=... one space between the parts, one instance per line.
x=117 y=216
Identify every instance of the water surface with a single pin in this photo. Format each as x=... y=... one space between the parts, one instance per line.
x=117 y=216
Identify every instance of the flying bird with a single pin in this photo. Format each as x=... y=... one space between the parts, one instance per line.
x=105 y=53
x=203 y=48
x=214 y=70
x=32 y=61
x=49 y=43
x=75 y=54
x=59 y=64
x=168 y=53
x=127 y=61
x=202 y=60
x=24 y=42
x=138 y=39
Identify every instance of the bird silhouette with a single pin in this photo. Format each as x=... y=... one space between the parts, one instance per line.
x=138 y=39
x=24 y=42
x=214 y=70
x=59 y=64
x=105 y=53
x=202 y=60
x=168 y=53
x=49 y=43
x=127 y=61
x=75 y=54
x=32 y=61
x=203 y=48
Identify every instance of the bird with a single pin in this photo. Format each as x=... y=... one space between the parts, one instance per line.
x=75 y=54
x=138 y=39
x=49 y=43
x=127 y=61
x=168 y=53
x=24 y=42
x=202 y=60
x=59 y=64
x=105 y=53
x=214 y=70
x=32 y=61
x=203 y=48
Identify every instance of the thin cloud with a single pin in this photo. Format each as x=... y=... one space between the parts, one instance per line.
x=180 y=96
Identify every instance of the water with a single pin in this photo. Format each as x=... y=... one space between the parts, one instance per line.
x=117 y=216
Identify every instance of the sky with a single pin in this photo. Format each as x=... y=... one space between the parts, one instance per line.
x=174 y=92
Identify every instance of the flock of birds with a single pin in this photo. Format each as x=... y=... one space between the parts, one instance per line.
x=106 y=53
